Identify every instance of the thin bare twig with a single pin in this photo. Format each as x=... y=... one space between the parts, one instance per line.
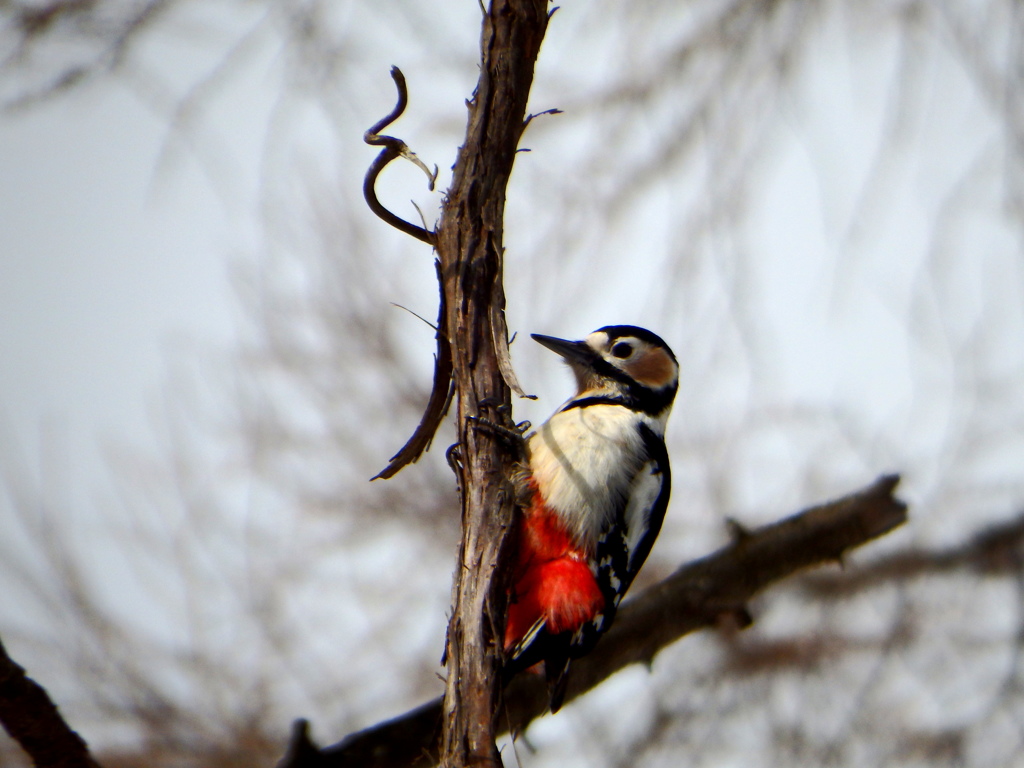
x=534 y=115
x=440 y=398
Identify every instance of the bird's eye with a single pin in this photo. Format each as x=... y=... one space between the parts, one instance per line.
x=622 y=350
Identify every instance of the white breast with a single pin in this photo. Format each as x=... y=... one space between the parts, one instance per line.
x=584 y=461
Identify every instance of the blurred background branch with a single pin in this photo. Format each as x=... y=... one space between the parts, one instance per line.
x=710 y=591
x=816 y=204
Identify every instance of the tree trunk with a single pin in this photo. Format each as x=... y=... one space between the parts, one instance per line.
x=469 y=245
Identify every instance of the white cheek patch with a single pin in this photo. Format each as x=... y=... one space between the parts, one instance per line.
x=598 y=341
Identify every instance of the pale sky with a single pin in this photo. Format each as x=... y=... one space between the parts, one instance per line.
x=106 y=267
x=114 y=267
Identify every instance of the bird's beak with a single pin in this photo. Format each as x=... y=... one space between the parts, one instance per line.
x=574 y=352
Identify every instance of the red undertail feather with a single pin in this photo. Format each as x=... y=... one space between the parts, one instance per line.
x=552 y=579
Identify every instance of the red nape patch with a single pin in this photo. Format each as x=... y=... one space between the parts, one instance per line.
x=552 y=579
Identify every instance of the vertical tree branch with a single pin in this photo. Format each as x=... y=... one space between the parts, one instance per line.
x=469 y=245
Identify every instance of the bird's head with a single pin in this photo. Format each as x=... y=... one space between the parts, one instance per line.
x=621 y=361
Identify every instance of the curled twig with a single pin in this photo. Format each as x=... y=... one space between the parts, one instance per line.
x=442 y=390
x=393 y=148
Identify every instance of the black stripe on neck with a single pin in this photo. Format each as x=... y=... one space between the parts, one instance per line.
x=586 y=402
x=644 y=401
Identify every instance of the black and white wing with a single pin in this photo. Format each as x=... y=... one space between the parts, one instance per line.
x=621 y=552
x=627 y=541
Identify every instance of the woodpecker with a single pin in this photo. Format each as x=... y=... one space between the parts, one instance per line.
x=594 y=491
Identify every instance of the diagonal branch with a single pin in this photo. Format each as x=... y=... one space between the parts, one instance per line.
x=994 y=550
x=695 y=596
x=32 y=719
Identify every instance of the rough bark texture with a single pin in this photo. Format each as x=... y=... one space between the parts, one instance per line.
x=469 y=245
x=697 y=595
